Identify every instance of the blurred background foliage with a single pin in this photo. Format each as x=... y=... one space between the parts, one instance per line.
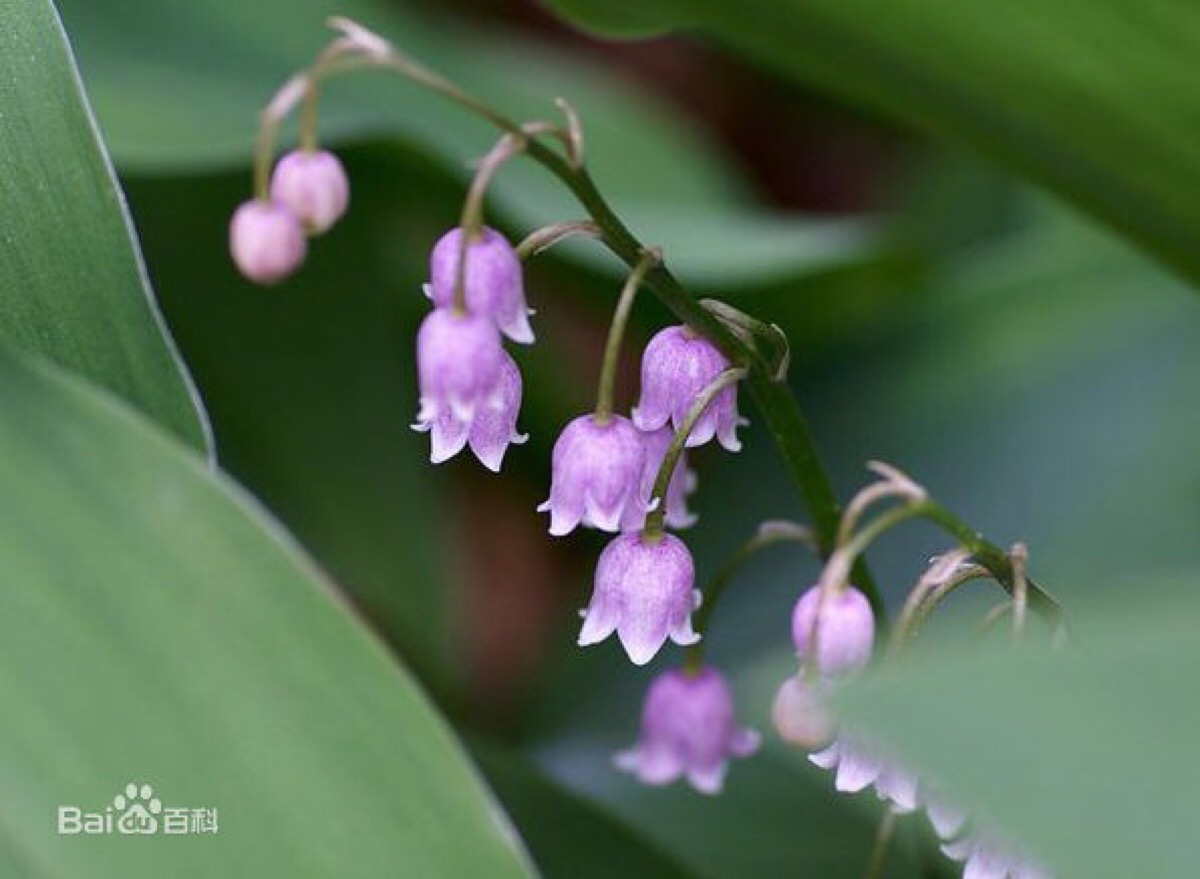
x=1017 y=357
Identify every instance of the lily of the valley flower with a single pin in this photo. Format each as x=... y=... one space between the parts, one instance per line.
x=689 y=729
x=464 y=376
x=857 y=765
x=645 y=592
x=489 y=433
x=492 y=280
x=596 y=475
x=676 y=366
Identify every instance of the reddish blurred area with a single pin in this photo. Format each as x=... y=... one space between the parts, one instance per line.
x=816 y=156
x=798 y=151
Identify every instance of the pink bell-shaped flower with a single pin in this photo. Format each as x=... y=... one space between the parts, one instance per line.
x=490 y=432
x=493 y=282
x=311 y=184
x=596 y=474
x=846 y=630
x=689 y=729
x=464 y=376
x=645 y=592
x=676 y=366
x=266 y=241
x=857 y=764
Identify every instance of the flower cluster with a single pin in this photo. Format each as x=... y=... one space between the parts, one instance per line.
x=308 y=193
x=470 y=388
x=625 y=474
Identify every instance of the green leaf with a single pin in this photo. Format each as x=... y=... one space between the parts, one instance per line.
x=567 y=835
x=156 y=627
x=1097 y=101
x=1088 y=754
x=72 y=285
x=181 y=90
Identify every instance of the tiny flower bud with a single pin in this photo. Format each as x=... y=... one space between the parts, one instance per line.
x=266 y=241
x=689 y=728
x=493 y=282
x=461 y=368
x=312 y=185
x=596 y=474
x=676 y=366
x=846 y=630
x=645 y=592
x=799 y=714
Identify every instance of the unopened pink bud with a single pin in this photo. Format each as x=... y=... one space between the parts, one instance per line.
x=266 y=241
x=845 y=633
x=312 y=185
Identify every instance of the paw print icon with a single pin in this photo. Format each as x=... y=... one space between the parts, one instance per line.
x=137 y=809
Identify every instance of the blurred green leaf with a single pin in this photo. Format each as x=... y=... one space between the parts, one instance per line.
x=157 y=627
x=1057 y=747
x=72 y=285
x=567 y=835
x=179 y=89
x=1098 y=101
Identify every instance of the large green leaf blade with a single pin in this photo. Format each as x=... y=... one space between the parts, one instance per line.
x=155 y=627
x=1064 y=748
x=72 y=285
x=1098 y=101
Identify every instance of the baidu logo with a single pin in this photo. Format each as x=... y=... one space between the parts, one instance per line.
x=136 y=811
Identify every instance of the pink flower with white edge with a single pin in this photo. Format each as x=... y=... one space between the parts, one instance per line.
x=492 y=281
x=683 y=483
x=463 y=371
x=988 y=855
x=645 y=592
x=266 y=241
x=490 y=432
x=846 y=630
x=676 y=366
x=311 y=184
x=858 y=765
x=689 y=729
x=595 y=475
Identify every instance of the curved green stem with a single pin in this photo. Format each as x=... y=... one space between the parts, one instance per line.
x=662 y=481
x=471 y=221
x=779 y=408
x=616 y=332
x=765 y=538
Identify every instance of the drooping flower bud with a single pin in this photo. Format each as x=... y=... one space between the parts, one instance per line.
x=683 y=483
x=645 y=592
x=493 y=283
x=490 y=432
x=311 y=184
x=266 y=241
x=596 y=474
x=799 y=714
x=846 y=630
x=689 y=729
x=462 y=372
x=676 y=366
